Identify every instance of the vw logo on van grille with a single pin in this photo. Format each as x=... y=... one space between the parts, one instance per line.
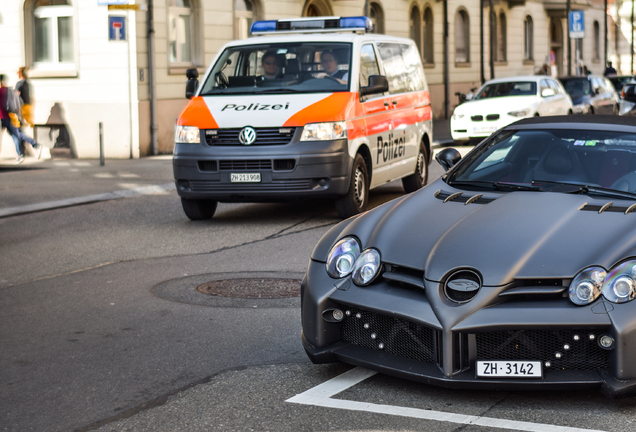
x=247 y=135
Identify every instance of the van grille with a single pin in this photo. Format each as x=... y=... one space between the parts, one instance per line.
x=245 y=165
x=264 y=136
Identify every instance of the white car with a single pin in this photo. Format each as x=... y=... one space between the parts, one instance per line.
x=502 y=101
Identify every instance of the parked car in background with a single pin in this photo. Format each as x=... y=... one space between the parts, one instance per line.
x=591 y=94
x=502 y=101
x=628 y=100
x=526 y=280
x=618 y=81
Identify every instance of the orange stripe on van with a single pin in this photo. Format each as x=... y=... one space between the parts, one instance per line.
x=336 y=107
x=197 y=113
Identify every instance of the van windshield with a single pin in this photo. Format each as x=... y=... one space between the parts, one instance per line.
x=294 y=67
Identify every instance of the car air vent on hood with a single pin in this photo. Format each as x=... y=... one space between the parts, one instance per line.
x=462 y=197
x=405 y=277
x=609 y=207
x=536 y=287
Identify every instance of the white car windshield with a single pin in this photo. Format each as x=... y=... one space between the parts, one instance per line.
x=292 y=67
x=521 y=88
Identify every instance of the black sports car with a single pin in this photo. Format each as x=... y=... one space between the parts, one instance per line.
x=516 y=269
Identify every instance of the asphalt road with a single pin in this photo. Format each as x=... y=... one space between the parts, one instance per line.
x=101 y=327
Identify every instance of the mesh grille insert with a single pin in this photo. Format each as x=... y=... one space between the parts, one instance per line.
x=397 y=336
x=583 y=354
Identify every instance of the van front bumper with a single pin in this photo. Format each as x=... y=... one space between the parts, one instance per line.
x=319 y=169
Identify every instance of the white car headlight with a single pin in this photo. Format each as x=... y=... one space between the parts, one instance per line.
x=367 y=267
x=458 y=116
x=586 y=286
x=324 y=131
x=519 y=113
x=187 y=134
x=620 y=283
x=342 y=257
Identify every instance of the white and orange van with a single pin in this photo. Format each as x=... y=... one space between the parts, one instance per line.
x=313 y=108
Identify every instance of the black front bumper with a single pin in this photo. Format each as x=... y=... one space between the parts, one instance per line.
x=319 y=169
x=406 y=333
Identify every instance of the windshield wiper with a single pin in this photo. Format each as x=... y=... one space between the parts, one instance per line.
x=496 y=185
x=280 y=90
x=579 y=188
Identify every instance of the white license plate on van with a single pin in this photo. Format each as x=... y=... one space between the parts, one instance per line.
x=245 y=178
x=509 y=369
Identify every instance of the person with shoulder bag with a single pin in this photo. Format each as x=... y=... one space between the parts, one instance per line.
x=10 y=104
x=23 y=87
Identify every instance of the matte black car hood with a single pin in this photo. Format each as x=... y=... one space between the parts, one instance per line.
x=517 y=235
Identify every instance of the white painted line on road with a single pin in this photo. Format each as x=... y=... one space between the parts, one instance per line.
x=321 y=396
x=50 y=205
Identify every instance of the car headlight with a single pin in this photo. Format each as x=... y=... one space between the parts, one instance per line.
x=620 y=283
x=324 y=131
x=519 y=113
x=587 y=285
x=458 y=116
x=366 y=267
x=342 y=257
x=187 y=134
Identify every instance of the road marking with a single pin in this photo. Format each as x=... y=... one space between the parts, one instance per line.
x=50 y=205
x=321 y=396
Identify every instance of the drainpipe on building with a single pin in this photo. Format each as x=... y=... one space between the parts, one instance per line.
x=493 y=31
x=446 y=83
x=605 y=40
x=631 y=71
x=567 y=15
x=481 y=42
x=151 y=80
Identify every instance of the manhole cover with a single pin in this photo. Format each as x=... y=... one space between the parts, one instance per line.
x=255 y=288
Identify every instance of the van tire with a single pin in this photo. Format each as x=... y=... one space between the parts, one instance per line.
x=198 y=209
x=420 y=177
x=357 y=198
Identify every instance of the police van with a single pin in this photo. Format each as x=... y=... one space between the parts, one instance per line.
x=312 y=108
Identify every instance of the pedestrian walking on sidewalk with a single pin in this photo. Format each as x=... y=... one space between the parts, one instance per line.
x=24 y=90
x=9 y=103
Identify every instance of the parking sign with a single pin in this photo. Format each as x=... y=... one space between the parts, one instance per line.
x=577 y=25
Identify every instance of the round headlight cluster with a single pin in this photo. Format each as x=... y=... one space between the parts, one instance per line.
x=617 y=286
x=345 y=258
x=586 y=286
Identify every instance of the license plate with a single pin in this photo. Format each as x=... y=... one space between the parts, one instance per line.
x=484 y=129
x=245 y=178
x=509 y=369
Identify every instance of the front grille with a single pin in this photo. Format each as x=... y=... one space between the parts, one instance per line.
x=207 y=165
x=245 y=165
x=264 y=136
x=492 y=117
x=583 y=354
x=284 y=164
x=392 y=335
x=477 y=118
x=276 y=185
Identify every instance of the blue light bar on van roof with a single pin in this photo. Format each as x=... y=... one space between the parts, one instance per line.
x=312 y=25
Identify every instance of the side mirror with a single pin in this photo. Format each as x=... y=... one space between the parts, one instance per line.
x=447 y=158
x=377 y=84
x=547 y=92
x=193 y=83
x=629 y=93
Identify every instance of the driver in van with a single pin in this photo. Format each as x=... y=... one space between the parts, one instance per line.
x=269 y=62
x=329 y=65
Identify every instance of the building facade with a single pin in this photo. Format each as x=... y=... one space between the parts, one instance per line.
x=90 y=64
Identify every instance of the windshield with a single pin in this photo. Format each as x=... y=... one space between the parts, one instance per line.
x=528 y=88
x=602 y=159
x=303 y=67
x=577 y=88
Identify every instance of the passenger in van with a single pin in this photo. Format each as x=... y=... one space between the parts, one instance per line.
x=270 y=65
x=330 y=66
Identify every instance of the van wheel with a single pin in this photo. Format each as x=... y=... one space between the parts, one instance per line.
x=419 y=178
x=357 y=198
x=198 y=209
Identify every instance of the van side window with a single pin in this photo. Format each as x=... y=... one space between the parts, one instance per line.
x=368 y=64
x=414 y=69
x=394 y=67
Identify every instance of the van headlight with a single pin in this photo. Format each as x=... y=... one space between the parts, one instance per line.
x=324 y=131
x=187 y=134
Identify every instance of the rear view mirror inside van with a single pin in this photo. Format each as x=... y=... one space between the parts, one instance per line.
x=377 y=84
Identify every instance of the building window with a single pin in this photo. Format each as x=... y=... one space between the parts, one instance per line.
x=52 y=38
x=528 y=38
x=181 y=27
x=416 y=28
x=428 y=36
x=243 y=18
x=462 y=45
x=597 y=41
x=501 y=38
x=377 y=17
